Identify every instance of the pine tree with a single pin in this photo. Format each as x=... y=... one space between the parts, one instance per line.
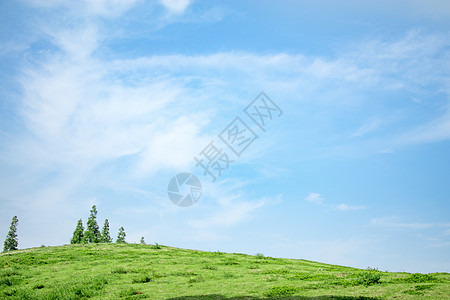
x=11 y=239
x=92 y=233
x=121 y=236
x=142 y=241
x=106 y=238
x=78 y=234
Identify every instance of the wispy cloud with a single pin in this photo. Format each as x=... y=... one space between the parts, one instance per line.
x=344 y=207
x=392 y=222
x=369 y=126
x=315 y=198
x=435 y=131
x=176 y=6
x=104 y=117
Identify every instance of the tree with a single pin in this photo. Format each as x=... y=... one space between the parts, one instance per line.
x=11 y=239
x=92 y=233
x=106 y=238
x=78 y=234
x=121 y=236
x=142 y=241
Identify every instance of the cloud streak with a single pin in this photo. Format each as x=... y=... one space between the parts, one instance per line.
x=317 y=199
x=344 y=207
x=393 y=223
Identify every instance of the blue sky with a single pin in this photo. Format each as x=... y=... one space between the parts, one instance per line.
x=103 y=102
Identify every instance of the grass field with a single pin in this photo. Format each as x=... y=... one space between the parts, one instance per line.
x=133 y=271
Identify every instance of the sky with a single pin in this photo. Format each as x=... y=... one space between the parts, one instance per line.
x=104 y=102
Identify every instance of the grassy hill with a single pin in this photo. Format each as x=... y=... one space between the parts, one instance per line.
x=131 y=271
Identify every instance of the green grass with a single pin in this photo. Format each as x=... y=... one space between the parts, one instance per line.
x=136 y=271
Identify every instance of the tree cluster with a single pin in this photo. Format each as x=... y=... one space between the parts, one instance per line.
x=92 y=233
x=81 y=235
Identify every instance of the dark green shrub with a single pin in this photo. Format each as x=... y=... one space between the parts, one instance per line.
x=276 y=271
x=7 y=281
x=228 y=275
x=368 y=278
x=9 y=292
x=423 y=287
x=183 y=273
x=38 y=286
x=142 y=279
x=283 y=290
x=420 y=278
x=129 y=293
x=230 y=261
x=119 y=270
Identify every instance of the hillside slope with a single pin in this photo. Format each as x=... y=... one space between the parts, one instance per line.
x=117 y=271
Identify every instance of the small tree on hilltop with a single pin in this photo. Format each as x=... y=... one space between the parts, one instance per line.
x=92 y=233
x=78 y=234
x=11 y=239
x=142 y=241
x=121 y=236
x=106 y=238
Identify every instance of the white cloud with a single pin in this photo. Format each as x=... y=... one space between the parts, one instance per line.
x=344 y=207
x=79 y=115
x=85 y=109
x=77 y=44
x=315 y=198
x=163 y=148
x=176 y=6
